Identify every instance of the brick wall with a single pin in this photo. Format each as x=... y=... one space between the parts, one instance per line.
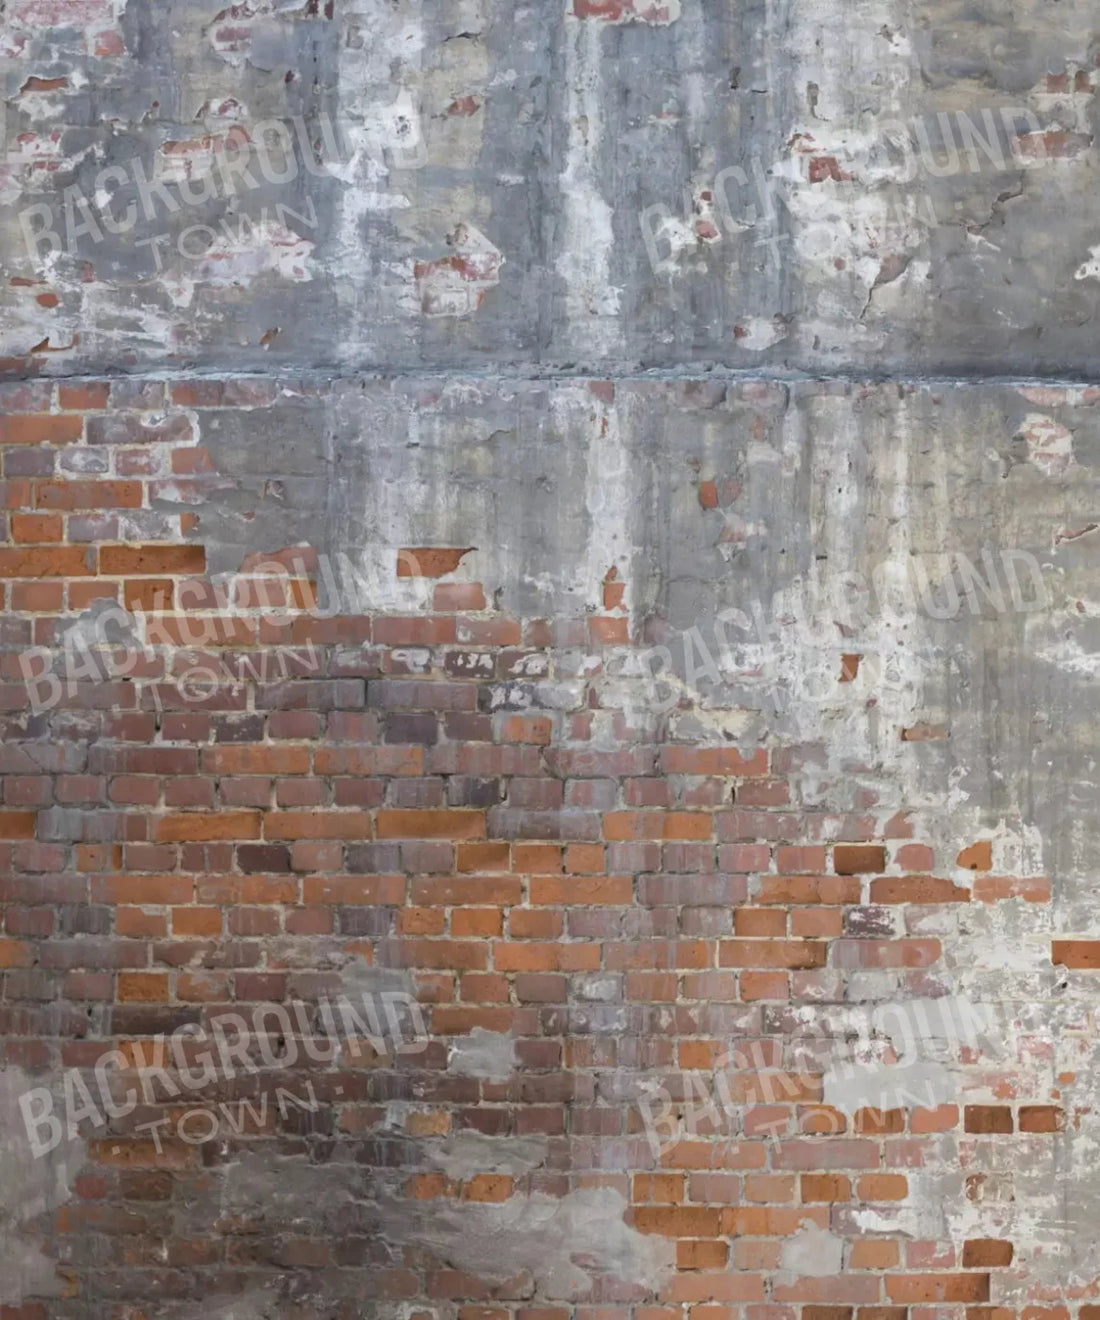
x=631 y=950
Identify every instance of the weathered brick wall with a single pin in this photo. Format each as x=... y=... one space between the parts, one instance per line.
x=642 y=951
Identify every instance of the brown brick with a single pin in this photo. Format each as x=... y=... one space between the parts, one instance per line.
x=1041 y=1118
x=17 y=824
x=987 y=1118
x=858 y=858
x=986 y=1253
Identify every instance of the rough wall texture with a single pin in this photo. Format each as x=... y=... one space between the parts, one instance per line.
x=518 y=802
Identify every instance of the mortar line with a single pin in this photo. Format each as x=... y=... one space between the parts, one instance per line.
x=719 y=374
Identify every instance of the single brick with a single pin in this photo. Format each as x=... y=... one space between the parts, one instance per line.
x=858 y=858
x=987 y=1118
x=986 y=1253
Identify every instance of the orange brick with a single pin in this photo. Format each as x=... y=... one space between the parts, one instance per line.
x=688 y=1221
x=429 y=561
x=757 y=922
x=136 y=922
x=801 y=890
x=917 y=889
x=696 y=1255
x=40 y=429
x=456 y=823
x=581 y=891
x=428 y=1186
x=43 y=562
x=537 y=858
x=421 y=921
x=196 y=921
x=147 y=560
x=769 y=1187
x=476 y=921
x=143 y=987
x=883 y=1187
x=1081 y=954
x=538 y=957
x=36 y=528
x=816 y=923
x=200 y=827
x=918 y=1288
x=535 y=924
x=666 y=1188
x=148 y=594
x=978 y=857
x=877 y=1121
x=825 y=1187
x=873 y=1254
x=585 y=859
x=487 y=1187
x=771 y=953
x=483 y=857
x=256 y=759
x=765 y=985
x=15 y=953
x=941 y=1119
x=317 y=824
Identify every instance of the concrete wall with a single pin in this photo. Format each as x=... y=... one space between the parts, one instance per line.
x=547 y=661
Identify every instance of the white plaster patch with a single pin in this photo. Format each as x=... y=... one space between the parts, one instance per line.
x=489 y=1054
x=812 y=1253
